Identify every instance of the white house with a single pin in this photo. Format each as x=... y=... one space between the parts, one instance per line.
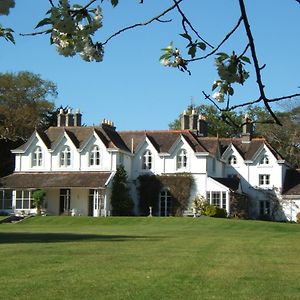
x=76 y=164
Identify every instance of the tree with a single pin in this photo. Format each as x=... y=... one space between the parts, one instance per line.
x=25 y=100
x=122 y=203
x=38 y=198
x=71 y=28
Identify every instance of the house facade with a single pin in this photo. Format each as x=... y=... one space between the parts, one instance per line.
x=75 y=165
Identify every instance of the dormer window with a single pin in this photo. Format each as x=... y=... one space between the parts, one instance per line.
x=147 y=160
x=181 y=159
x=95 y=156
x=65 y=157
x=264 y=160
x=37 y=157
x=232 y=160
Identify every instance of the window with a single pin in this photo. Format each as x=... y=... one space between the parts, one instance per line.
x=264 y=160
x=264 y=179
x=147 y=160
x=37 y=157
x=165 y=203
x=264 y=207
x=65 y=157
x=6 y=199
x=224 y=200
x=95 y=156
x=215 y=198
x=23 y=200
x=181 y=159
x=232 y=160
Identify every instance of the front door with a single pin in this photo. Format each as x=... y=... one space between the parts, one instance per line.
x=64 y=201
x=97 y=200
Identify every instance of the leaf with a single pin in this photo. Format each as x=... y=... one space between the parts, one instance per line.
x=114 y=3
x=10 y=37
x=165 y=56
x=246 y=59
x=192 y=51
x=230 y=91
x=215 y=85
x=186 y=36
x=43 y=22
x=222 y=56
x=201 y=45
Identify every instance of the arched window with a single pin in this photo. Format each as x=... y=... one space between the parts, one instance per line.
x=181 y=159
x=165 y=203
x=264 y=160
x=95 y=156
x=37 y=157
x=232 y=160
x=65 y=157
x=147 y=160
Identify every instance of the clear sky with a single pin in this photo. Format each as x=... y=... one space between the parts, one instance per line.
x=131 y=87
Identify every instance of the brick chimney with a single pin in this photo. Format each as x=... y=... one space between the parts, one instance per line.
x=77 y=118
x=247 y=129
x=185 y=121
x=202 y=126
x=108 y=124
x=194 y=120
x=61 y=118
x=69 y=118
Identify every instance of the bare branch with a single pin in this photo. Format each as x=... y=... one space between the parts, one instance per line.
x=142 y=24
x=36 y=33
x=228 y=35
x=185 y=20
x=255 y=61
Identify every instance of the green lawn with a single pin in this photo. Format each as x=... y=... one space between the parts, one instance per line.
x=149 y=258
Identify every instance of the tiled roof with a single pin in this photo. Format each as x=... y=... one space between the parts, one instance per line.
x=162 y=140
x=231 y=183
x=291 y=183
x=55 y=180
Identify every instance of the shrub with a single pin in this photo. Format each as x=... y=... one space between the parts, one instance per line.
x=298 y=217
x=38 y=198
x=214 y=211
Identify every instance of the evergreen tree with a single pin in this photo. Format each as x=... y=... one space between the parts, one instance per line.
x=122 y=203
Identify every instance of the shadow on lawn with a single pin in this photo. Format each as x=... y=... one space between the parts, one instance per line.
x=25 y=237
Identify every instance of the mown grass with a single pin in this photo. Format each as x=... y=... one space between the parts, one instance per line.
x=149 y=258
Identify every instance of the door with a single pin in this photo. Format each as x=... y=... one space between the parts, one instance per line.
x=64 y=201
x=98 y=203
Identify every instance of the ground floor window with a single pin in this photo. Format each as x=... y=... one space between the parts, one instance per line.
x=217 y=199
x=165 y=203
x=24 y=199
x=6 y=199
x=264 y=207
x=96 y=202
x=64 y=200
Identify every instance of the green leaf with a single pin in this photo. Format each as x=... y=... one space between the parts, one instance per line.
x=201 y=45
x=230 y=91
x=192 y=51
x=165 y=56
x=222 y=56
x=186 y=36
x=77 y=6
x=10 y=37
x=246 y=59
x=43 y=22
x=114 y=3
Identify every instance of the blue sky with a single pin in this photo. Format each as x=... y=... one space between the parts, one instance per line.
x=131 y=87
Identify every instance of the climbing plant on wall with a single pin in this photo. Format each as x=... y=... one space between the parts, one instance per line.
x=179 y=186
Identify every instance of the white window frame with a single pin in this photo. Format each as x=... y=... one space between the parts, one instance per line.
x=264 y=179
x=24 y=199
x=265 y=160
x=232 y=160
x=37 y=157
x=147 y=160
x=181 y=159
x=165 y=202
x=95 y=156
x=65 y=157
